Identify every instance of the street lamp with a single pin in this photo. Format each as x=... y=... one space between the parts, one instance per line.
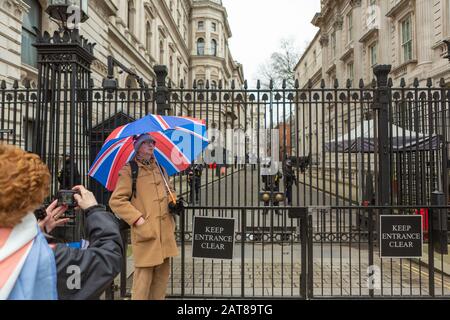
x=68 y=11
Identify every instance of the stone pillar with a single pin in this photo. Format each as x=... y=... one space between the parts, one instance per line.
x=340 y=45
x=423 y=31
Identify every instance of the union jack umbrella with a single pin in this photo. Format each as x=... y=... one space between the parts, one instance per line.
x=179 y=141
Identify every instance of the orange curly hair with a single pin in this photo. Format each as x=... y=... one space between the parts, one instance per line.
x=24 y=184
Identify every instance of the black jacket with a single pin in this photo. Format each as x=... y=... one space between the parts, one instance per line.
x=98 y=265
x=65 y=174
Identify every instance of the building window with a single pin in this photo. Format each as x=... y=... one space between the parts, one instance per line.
x=350 y=71
x=213 y=26
x=131 y=15
x=200 y=84
x=333 y=44
x=407 y=41
x=200 y=47
x=372 y=14
x=373 y=49
x=214 y=47
x=161 y=52
x=213 y=85
x=30 y=20
x=171 y=68
x=350 y=26
x=201 y=25
x=148 y=37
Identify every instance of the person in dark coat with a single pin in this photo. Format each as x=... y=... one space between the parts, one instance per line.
x=64 y=175
x=289 y=180
x=84 y=274
x=194 y=180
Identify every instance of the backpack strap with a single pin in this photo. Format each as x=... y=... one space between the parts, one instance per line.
x=134 y=175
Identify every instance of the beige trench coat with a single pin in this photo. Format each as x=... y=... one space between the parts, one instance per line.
x=153 y=241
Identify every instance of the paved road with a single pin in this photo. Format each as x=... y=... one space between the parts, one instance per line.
x=273 y=268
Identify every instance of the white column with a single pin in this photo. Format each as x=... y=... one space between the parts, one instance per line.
x=423 y=28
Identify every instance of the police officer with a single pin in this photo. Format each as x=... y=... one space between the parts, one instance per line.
x=194 y=180
x=289 y=180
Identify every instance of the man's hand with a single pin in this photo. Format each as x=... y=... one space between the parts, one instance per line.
x=51 y=221
x=85 y=199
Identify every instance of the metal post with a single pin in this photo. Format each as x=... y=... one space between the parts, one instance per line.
x=382 y=104
x=162 y=92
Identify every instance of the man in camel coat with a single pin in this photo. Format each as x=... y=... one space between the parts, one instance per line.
x=152 y=225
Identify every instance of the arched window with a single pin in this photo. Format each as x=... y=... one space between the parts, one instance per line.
x=214 y=47
x=131 y=15
x=161 y=52
x=200 y=47
x=148 y=37
x=30 y=20
x=200 y=84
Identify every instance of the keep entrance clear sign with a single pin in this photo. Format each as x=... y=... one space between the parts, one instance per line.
x=213 y=238
x=401 y=236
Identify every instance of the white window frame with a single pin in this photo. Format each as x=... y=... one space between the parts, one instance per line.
x=351 y=71
x=350 y=27
x=373 y=48
x=372 y=4
x=409 y=42
x=333 y=44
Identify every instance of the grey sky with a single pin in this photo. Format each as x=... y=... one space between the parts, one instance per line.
x=259 y=25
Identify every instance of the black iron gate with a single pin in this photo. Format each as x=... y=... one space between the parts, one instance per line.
x=356 y=151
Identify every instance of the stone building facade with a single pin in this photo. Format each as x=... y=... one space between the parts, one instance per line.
x=190 y=37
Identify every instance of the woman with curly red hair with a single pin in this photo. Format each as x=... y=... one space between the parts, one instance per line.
x=27 y=264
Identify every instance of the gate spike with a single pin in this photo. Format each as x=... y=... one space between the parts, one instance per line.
x=374 y=83
x=349 y=84
x=207 y=85
x=181 y=84
x=283 y=84
x=220 y=84
x=402 y=83
x=194 y=85
x=258 y=84
x=271 y=84
x=336 y=83
x=16 y=84
x=429 y=83
x=416 y=82
x=233 y=85
x=361 y=83
x=27 y=84
x=3 y=85
x=322 y=83
x=442 y=83
x=296 y=84
x=245 y=85
x=390 y=84
x=310 y=84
